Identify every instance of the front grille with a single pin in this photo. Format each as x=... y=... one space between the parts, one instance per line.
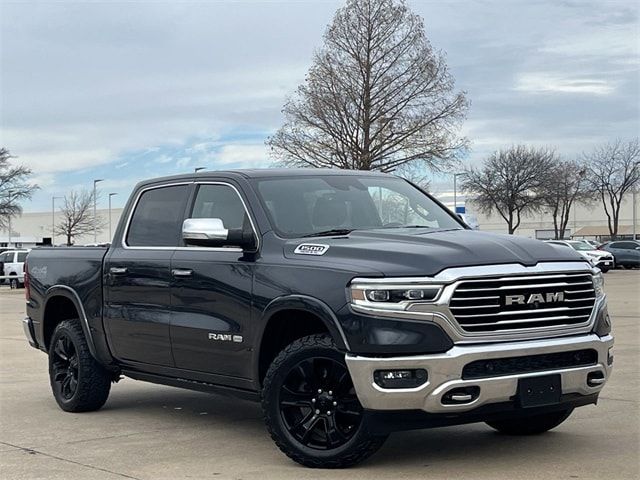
x=497 y=305
x=528 y=364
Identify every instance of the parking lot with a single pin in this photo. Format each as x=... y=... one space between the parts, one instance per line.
x=154 y=432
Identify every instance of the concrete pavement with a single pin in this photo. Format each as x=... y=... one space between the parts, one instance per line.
x=154 y=432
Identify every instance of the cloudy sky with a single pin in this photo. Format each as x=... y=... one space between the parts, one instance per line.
x=129 y=90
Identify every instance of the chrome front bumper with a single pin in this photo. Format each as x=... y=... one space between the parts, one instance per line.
x=445 y=373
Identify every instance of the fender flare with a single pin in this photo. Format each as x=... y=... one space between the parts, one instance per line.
x=70 y=294
x=298 y=302
x=308 y=304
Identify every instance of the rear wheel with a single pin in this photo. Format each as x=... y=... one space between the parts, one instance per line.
x=14 y=283
x=311 y=408
x=532 y=424
x=79 y=383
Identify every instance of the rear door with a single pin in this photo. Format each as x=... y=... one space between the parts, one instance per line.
x=138 y=276
x=211 y=292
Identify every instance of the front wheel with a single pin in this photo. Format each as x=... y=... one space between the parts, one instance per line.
x=311 y=408
x=532 y=424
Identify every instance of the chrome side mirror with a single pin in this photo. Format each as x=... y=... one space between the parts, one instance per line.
x=196 y=230
x=210 y=232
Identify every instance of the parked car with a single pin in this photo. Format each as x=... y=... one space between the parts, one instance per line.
x=351 y=304
x=592 y=243
x=603 y=260
x=626 y=252
x=12 y=266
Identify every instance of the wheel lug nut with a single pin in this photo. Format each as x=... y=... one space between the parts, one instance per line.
x=313 y=400
x=330 y=392
x=319 y=390
x=317 y=412
x=335 y=404
x=328 y=412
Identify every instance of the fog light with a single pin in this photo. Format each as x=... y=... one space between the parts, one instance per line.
x=595 y=379
x=409 y=378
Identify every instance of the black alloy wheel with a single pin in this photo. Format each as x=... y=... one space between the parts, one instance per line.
x=318 y=404
x=311 y=408
x=78 y=382
x=65 y=367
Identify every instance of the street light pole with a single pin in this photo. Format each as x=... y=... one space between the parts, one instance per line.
x=53 y=219
x=110 y=195
x=455 y=190
x=95 y=218
x=10 y=193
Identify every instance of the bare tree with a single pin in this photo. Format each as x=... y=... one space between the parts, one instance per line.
x=14 y=188
x=564 y=187
x=614 y=170
x=511 y=181
x=77 y=216
x=377 y=96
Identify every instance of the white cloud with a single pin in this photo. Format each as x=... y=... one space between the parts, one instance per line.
x=243 y=156
x=558 y=83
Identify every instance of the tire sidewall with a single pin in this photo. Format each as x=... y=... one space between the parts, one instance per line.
x=271 y=404
x=64 y=329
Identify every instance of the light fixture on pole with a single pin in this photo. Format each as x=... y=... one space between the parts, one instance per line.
x=95 y=218
x=455 y=190
x=110 y=195
x=53 y=219
x=197 y=169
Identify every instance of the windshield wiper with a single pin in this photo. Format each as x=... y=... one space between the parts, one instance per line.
x=328 y=233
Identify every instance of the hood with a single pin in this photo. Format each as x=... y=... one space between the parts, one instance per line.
x=412 y=252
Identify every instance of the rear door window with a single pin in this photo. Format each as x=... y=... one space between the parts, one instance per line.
x=157 y=218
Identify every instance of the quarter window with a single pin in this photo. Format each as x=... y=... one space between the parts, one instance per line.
x=157 y=219
x=22 y=256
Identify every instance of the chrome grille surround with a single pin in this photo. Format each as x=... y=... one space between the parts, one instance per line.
x=441 y=310
x=504 y=304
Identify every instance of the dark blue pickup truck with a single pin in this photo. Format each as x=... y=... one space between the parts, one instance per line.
x=351 y=304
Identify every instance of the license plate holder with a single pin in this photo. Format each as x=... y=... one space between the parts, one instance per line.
x=539 y=391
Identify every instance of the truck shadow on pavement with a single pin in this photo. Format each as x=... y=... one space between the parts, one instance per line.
x=169 y=408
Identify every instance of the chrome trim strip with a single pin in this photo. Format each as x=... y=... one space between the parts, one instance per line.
x=445 y=373
x=191 y=249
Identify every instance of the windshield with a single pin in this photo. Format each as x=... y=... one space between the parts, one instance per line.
x=304 y=206
x=580 y=246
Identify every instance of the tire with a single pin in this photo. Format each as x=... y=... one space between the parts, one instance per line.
x=531 y=425
x=14 y=283
x=604 y=269
x=310 y=407
x=78 y=382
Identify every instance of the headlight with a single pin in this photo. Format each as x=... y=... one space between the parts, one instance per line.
x=598 y=284
x=392 y=297
x=593 y=255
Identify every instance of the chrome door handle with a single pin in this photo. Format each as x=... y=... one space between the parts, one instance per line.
x=181 y=272
x=118 y=270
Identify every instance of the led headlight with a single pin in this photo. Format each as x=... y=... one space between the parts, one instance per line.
x=391 y=296
x=598 y=284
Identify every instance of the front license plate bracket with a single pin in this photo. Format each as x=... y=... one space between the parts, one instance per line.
x=539 y=391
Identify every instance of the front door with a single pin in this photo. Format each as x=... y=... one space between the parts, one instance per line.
x=138 y=278
x=211 y=293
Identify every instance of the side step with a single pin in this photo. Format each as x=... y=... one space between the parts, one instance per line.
x=192 y=385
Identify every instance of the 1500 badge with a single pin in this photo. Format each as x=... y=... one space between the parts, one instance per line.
x=311 y=249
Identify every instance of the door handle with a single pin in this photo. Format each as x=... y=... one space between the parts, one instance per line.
x=118 y=270
x=181 y=272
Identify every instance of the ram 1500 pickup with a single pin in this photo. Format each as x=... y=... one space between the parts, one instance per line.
x=350 y=304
